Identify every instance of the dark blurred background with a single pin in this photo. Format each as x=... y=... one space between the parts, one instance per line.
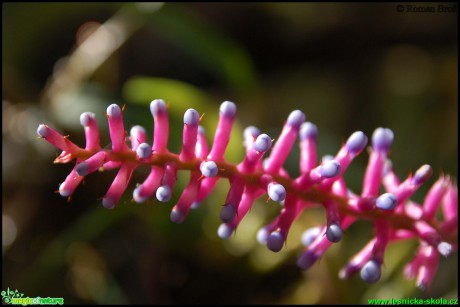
x=347 y=66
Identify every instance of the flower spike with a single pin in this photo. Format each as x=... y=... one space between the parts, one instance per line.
x=385 y=200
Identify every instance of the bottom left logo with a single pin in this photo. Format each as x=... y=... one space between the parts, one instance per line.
x=14 y=297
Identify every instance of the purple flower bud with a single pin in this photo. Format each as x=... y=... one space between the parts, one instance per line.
x=262 y=235
x=163 y=193
x=307 y=259
x=191 y=117
x=138 y=135
x=91 y=165
x=157 y=106
x=356 y=142
x=82 y=169
x=327 y=158
x=114 y=111
x=276 y=192
x=201 y=130
x=42 y=131
x=63 y=191
x=227 y=214
x=382 y=138
x=371 y=272
x=69 y=185
x=445 y=249
x=263 y=143
x=310 y=235
x=225 y=231
x=136 y=130
x=330 y=169
x=251 y=132
x=209 y=169
x=177 y=216
x=295 y=119
x=308 y=130
x=228 y=109
x=386 y=201
x=275 y=241
x=138 y=198
x=108 y=202
x=334 y=232
x=195 y=205
x=86 y=117
x=422 y=174
x=144 y=151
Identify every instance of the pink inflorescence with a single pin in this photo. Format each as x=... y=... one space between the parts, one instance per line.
x=394 y=215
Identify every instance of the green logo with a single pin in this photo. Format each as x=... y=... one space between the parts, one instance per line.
x=8 y=295
x=17 y=298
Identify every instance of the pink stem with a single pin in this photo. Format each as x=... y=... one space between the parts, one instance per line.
x=119 y=185
x=137 y=136
x=223 y=131
x=189 y=141
x=150 y=185
x=202 y=148
x=88 y=121
x=373 y=175
x=161 y=125
x=308 y=159
x=434 y=197
x=116 y=128
x=188 y=196
x=281 y=149
x=68 y=187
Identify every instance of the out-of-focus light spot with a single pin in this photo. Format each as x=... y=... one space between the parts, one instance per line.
x=408 y=70
x=263 y=259
x=61 y=75
x=9 y=230
x=20 y=122
x=149 y=7
x=244 y=240
x=68 y=105
x=7 y=111
x=99 y=42
x=87 y=271
x=59 y=66
x=85 y=31
x=314 y=290
x=293 y=242
x=6 y=105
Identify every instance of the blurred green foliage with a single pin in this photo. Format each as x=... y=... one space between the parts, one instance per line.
x=347 y=66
